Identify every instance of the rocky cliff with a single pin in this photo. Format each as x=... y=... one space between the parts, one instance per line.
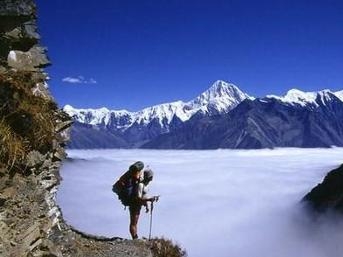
x=33 y=133
x=327 y=195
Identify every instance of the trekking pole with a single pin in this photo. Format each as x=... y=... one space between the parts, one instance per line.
x=152 y=207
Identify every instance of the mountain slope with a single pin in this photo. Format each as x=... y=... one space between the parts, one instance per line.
x=315 y=121
x=221 y=117
x=132 y=129
x=220 y=97
x=88 y=136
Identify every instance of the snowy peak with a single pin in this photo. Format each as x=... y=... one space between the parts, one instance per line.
x=220 y=97
x=221 y=90
x=163 y=113
x=296 y=96
x=94 y=116
x=339 y=94
x=326 y=96
x=300 y=97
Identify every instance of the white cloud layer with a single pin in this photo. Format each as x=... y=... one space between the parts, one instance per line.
x=79 y=80
x=218 y=203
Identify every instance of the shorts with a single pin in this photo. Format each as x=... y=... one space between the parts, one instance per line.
x=135 y=209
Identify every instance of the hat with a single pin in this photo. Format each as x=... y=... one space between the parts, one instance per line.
x=148 y=174
x=137 y=166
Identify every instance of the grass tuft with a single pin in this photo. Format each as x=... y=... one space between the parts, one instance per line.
x=162 y=247
x=26 y=121
x=13 y=149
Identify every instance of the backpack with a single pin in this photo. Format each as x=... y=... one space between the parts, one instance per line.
x=126 y=189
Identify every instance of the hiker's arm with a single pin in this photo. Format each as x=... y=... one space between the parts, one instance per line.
x=146 y=200
x=151 y=199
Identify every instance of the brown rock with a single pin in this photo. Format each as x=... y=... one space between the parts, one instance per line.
x=14 y=34
x=2 y=69
x=28 y=61
x=35 y=159
x=17 y=8
x=4 y=228
x=35 y=244
x=30 y=30
x=63 y=125
x=59 y=154
x=9 y=192
x=41 y=90
x=31 y=235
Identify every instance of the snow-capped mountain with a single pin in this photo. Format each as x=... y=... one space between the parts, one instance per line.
x=298 y=119
x=221 y=117
x=339 y=94
x=100 y=117
x=221 y=97
x=298 y=97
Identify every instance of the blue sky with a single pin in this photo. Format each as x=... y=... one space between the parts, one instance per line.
x=133 y=54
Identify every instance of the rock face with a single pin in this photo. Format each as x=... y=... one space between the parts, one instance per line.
x=29 y=60
x=33 y=133
x=327 y=195
x=18 y=34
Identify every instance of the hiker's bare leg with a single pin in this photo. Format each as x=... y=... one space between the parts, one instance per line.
x=133 y=224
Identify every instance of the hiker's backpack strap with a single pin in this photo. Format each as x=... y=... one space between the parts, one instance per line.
x=121 y=183
x=126 y=189
x=117 y=187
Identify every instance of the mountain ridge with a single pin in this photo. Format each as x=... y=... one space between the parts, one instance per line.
x=221 y=96
x=262 y=123
x=292 y=96
x=104 y=128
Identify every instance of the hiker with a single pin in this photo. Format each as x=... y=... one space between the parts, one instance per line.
x=141 y=199
x=128 y=182
x=131 y=191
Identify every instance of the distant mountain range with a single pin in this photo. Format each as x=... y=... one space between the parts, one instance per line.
x=221 y=117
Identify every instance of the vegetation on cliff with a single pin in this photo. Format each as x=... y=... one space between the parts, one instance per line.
x=27 y=121
x=161 y=247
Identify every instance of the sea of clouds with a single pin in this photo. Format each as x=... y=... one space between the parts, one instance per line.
x=220 y=203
